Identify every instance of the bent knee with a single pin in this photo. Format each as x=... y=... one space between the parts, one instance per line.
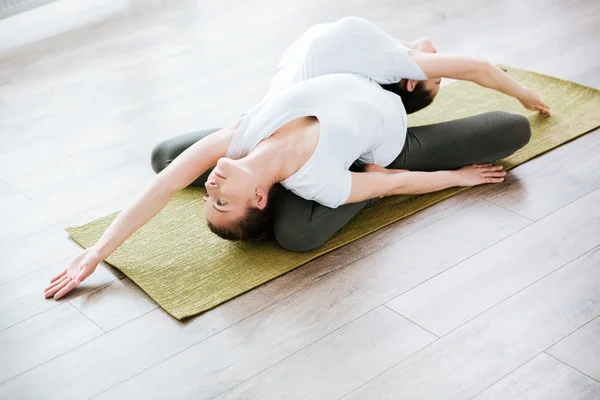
x=515 y=129
x=293 y=240
x=160 y=157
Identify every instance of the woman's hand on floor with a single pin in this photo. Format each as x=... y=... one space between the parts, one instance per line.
x=479 y=174
x=532 y=101
x=80 y=267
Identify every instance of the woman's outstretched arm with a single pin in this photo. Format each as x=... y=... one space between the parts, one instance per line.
x=182 y=171
x=368 y=185
x=440 y=65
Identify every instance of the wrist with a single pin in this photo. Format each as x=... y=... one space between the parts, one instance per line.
x=522 y=93
x=96 y=253
x=454 y=178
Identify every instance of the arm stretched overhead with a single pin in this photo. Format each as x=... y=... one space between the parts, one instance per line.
x=186 y=167
x=439 y=65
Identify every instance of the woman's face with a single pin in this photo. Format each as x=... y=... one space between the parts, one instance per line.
x=230 y=190
x=432 y=86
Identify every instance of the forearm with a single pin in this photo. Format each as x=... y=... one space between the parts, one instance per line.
x=415 y=182
x=143 y=208
x=492 y=77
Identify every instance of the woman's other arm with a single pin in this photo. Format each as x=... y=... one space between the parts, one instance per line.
x=184 y=169
x=368 y=185
x=440 y=65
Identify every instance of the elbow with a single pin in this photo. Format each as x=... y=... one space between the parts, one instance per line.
x=481 y=71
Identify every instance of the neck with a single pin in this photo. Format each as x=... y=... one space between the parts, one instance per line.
x=281 y=155
x=267 y=161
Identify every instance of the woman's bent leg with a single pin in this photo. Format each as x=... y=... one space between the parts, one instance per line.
x=303 y=225
x=479 y=139
x=166 y=151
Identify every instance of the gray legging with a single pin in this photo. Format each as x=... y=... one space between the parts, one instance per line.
x=302 y=225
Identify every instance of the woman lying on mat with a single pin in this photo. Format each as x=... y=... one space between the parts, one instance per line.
x=324 y=113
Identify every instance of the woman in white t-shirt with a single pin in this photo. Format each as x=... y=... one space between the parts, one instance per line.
x=324 y=119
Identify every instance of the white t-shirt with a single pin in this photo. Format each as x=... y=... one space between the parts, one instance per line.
x=332 y=72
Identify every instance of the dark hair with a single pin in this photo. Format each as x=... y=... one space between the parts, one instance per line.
x=256 y=224
x=413 y=101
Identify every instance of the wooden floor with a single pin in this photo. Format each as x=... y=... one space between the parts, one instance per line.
x=491 y=294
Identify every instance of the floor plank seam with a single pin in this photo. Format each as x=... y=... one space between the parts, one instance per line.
x=572 y=332
x=572 y=367
x=28 y=318
x=455 y=264
x=59 y=304
x=41 y=229
x=522 y=289
x=59 y=355
x=264 y=294
x=88 y=318
x=594 y=132
x=56 y=356
x=299 y=350
x=567 y=204
x=505 y=375
x=501 y=241
x=173 y=355
x=362 y=257
x=466 y=322
x=375 y=377
x=17 y=190
x=408 y=319
x=37 y=270
x=510 y=211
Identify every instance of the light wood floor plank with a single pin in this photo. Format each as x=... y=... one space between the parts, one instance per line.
x=9 y=195
x=543 y=378
x=553 y=187
x=339 y=362
x=40 y=338
x=465 y=362
x=125 y=351
x=471 y=287
x=581 y=349
x=23 y=298
x=28 y=217
x=309 y=274
x=52 y=244
x=104 y=306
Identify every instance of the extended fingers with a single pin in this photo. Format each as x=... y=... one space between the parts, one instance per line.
x=65 y=290
x=56 y=283
x=494 y=180
x=58 y=286
x=58 y=276
x=544 y=108
x=494 y=174
x=490 y=167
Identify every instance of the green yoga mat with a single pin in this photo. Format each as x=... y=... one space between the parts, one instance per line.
x=187 y=269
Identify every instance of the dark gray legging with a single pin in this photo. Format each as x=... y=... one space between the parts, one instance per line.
x=302 y=225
